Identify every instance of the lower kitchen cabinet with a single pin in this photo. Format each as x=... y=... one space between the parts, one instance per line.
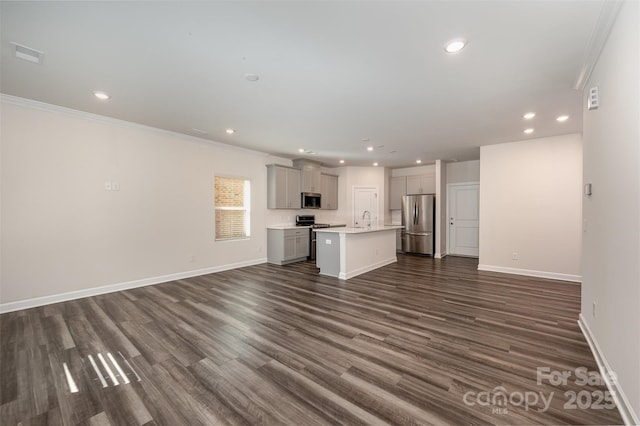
x=287 y=245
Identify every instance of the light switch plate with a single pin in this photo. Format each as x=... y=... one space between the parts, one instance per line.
x=593 y=102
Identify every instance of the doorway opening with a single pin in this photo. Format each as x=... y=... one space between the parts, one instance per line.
x=365 y=206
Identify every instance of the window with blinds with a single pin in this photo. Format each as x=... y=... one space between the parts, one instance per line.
x=232 y=202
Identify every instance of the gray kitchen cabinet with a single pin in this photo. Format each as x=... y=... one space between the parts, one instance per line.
x=311 y=175
x=283 y=187
x=421 y=184
x=397 y=188
x=329 y=191
x=287 y=245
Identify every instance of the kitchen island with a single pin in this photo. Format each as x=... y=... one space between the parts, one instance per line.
x=347 y=252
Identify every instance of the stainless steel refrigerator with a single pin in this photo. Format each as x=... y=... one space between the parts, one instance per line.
x=418 y=213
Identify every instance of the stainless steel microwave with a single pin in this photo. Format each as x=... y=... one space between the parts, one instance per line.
x=310 y=200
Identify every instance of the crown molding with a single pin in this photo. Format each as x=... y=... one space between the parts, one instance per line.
x=608 y=14
x=43 y=106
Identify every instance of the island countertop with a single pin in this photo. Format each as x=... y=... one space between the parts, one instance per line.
x=362 y=230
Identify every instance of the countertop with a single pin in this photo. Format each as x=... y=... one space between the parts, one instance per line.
x=287 y=226
x=294 y=226
x=364 y=230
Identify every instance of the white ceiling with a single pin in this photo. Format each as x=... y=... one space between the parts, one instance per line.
x=330 y=73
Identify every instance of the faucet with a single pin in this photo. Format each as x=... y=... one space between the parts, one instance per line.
x=367 y=215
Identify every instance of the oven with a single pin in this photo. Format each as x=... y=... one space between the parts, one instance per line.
x=312 y=243
x=310 y=221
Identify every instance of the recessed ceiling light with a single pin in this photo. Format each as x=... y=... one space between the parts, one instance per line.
x=375 y=164
x=365 y=139
x=455 y=45
x=301 y=150
x=562 y=118
x=252 y=77
x=369 y=148
x=101 y=95
x=230 y=131
x=528 y=131
x=341 y=161
x=529 y=115
x=418 y=161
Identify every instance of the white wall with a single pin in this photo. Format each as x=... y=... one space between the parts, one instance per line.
x=349 y=177
x=611 y=243
x=530 y=203
x=463 y=171
x=62 y=232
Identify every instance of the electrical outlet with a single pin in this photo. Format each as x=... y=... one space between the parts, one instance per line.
x=594 y=309
x=107 y=186
x=115 y=186
x=515 y=255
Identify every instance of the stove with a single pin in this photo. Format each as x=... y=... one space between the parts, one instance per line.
x=310 y=220
x=305 y=220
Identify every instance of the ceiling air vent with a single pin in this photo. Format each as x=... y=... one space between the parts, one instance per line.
x=27 y=53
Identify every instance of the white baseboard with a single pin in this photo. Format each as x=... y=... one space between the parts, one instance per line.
x=622 y=402
x=440 y=255
x=63 y=297
x=367 y=268
x=531 y=273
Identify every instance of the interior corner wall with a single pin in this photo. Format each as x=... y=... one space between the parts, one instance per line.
x=62 y=232
x=530 y=207
x=611 y=243
x=441 y=222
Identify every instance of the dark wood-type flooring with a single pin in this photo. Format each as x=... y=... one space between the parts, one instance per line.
x=282 y=345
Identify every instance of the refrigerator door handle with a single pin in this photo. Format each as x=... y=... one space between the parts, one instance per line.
x=415 y=213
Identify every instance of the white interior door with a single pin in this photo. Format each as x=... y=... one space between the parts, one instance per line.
x=463 y=208
x=365 y=199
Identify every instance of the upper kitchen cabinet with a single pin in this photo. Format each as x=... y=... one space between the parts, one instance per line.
x=283 y=187
x=421 y=184
x=311 y=175
x=329 y=191
x=397 y=189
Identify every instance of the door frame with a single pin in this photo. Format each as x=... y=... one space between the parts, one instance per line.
x=449 y=187
x=374 y=219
